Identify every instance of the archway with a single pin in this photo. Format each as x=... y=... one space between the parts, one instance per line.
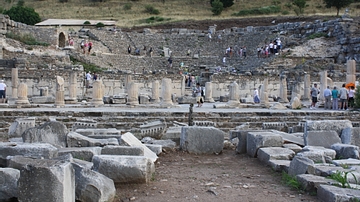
x=62 y=40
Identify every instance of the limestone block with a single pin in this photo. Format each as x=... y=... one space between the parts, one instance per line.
x=123 y=150
x=348 y=162
x=125 y=169
x=301 y=165
x=44 y=179
x=34 y=150
x=76 y=140
x=334 y=125
x=100 y=133
x=83 y=153
x=274 y=153
x=317 y=154
x=52 y=132
x=278 y=106
x=186 y=100
x=9 y=183
x=351 y=136
x=330 y=193
x=157 y=149
x=280 y=165
x=130 y=140
x=296 y=103
x=311 y=183
x=327 y=169
x=321 y=138
x=91 y=186
x=20 y=125
x=165 y=144
x=201 y=140
x=290 y=137
x=173 y=133
x=43 y=100
x=296 y=148
x=344 y=151
x=256 y=140
x=144 y=99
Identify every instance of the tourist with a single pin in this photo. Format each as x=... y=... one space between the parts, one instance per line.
x=137 y=51
x=351 y=97
x=258 y=52
x=170 y=62
x=271 y=47
x=151 y=51
x=209 y=35
x=71 y=42
x=241 y=52
x=219 y=37
x=2 y=91
x=188 y=53
x=244 y=51
x=224 y=61
x=95 y=77
x=129 y=49
x=335 y=96
x=82 y=45
x=256 y=96
x=314 y=93
x=85 y=47
x=89 y=47
x=88 y=78
x=327 y=95
x=343 y=97
x=199 y=99
x=144 y=49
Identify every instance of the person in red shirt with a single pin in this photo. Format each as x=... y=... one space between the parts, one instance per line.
x=90 y=47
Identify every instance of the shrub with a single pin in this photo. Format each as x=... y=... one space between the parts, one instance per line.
x=317 y=35
x=25 y=38
x=285 y=12
x=357 y=97
x=151 y=10
x=291 y=181
x=23 y=14
x=87 y=67
x=226 y=3
x=100 y=24
x=217 y=7
x=87 y=23
x=259 y=11
x=153 y=19
x=342 y=178
x=127 y=6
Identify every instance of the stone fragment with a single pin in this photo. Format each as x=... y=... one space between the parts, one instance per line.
x=20 y=125
x=317 y=154
x=274 y=153
x=351 y=136
x=83 y=153
x=241 y=134
x=311 y=183
x=9 y=184
x=165 y=144
x=76 y=140
x=296 y=148
x=344 y=151
x=52 y=132
x=202 y=140
x=130 y=140
x=327 y=125
x=321 y=138
x=330 y=193
x=256 y=140
x=296 y=103
x=125 y=169
x=91 y=186
x=327 y=169
x=123 y=150
x=301 y=165
x=173 y=133
x=290 y=137
x=280 y=165
x=157 y=149
x=347 y=162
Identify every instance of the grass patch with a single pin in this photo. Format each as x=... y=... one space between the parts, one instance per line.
x=291 y=181
x=259 y=11
x=342 y=178
x=87 y=67
x=317 y=35
x=27 y=39
x=155 y=19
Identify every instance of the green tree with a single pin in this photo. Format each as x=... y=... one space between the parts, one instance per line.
x=23 y=14
x=357 y=97
x=300 y=6
x=217 y=7
x=338 y=4
x=226 y=3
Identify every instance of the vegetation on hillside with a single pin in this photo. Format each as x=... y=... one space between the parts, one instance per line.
x=21 y=13
x=338 y=4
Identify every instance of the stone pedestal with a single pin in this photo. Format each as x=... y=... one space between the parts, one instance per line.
x=166 y=88
x=98 y=93
x=283 y=89
x=350 y=71
x=59 y=95
x=133 y=94
x=1 y=46
x=307 y=87
x=234 y=94
x=183 y=85
x=128 y=79
x=264 y=100
x=295 y=91
x=22 y=99
x=323 y=85
x=155 y=92
x=208 y=92
x=14 y=85
x=72 y=89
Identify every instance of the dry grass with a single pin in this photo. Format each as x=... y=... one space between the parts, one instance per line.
x=175 y=9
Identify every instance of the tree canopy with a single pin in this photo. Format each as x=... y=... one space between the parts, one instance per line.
x=338 y=4
x=23 y=14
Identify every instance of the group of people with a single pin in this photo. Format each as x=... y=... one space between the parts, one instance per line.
x=333 y=97
x=86 y=46
x=273 y=48
x=88 y=78
x=137 y=50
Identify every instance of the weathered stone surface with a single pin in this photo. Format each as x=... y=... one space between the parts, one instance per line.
x=35 y=150
x=326 y=169
x=290 y=137
x=91 y=186
x=125 y=169
x=123 y=150
x=321 y=138
x=344 y=151
x=311 y=183
x=157 y=149
x=274 y=153
x=20 y=125
x=130 y=140
x=173 y=133
x=301 y=165
x=347 y=162
x=278 y=106
x=9 y=184
x=280 y=165
x=44 y=179
x=317 y=154
x=83 y=153
x=256 y=140
x=202 y=140
x=351 y=136
x=165 y=144
x=328 y=125
x=52 y=132
x=76 y=140
x=330 y=193
x=296 y=103
x=296 y=148
x=105 y=132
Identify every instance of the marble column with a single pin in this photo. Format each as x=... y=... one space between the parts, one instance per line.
x=98 y=93
x=208 y=92
x=263 y=93
x=283 y=89
x=323 y=85
x=234 y=94
x=133 y=94
x=183 y=85
x=350 y=71
x=59 y=95
x=1 y=47
x=22 y=98
x=295 y=91
x=72 y=88
x=166 y=88
x=14 y=84
x=128 y=80
x=307 y=88
x=155 y=92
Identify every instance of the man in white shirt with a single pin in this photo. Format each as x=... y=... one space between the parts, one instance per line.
x=2 y=91
x=327 y=95
x=88 y=78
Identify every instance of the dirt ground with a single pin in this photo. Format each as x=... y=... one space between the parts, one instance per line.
x=226 y=177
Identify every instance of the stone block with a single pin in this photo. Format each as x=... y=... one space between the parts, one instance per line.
x=328 y=125
x=280 y=165
x=347 y=162
x=173 y=133
x=52 y=132
x=242 y=139
x=301 y=165
x=157 y=149
x=290 y=137
x=76 y=140
x=351 y=136
x=274 y=153
x=123 y=150
x=91 y=186
x=43 y=100
x=256 y=140
x=130 y=140
x=330 y=193
x=44 y=179
x=83 y=153
x=106 y=132
x=125 y=169
x=34 y=150
x=202 y=140
x=327 y=169
x=165 y=144
x=317 y=154
x=296 y=148
x=344 y=151
x=311 y=183
x=186 y=100
x=321 y=138
x=9 y=184
x=20 y=125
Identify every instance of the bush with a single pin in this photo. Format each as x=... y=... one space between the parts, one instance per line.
x=23 y=14
x=217 y=7
x=87 y=67
x=100 y=24
x=259 y=11
x=87 y=23
x=317 y=35
x=153 y=19
x=357 y=97
x=151 y=10
x=25 y=38
x=226 y=3
x=127 y=6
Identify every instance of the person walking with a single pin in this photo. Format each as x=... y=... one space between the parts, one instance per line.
x=335 y=98
x=199 y=99
x=256 y=96
x=327 y=95
x=88 y=78
x=343 y=97
x=351 y=100
x=2 y=91
x=314 y=93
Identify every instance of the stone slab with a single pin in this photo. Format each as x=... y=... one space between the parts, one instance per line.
x=280 y=165
x=345 y=151
x=256 y=140
x=311 y=183
x=296 y=148
x=75 y=139
x=330 y=193
x=157 y=149
x=327 y=125
x=123 y=150
x=290 y=138
x=274 y=153
x=321 y=138
x=9 y=184
x=301 y=165
x=82 y=153
x=130 y=140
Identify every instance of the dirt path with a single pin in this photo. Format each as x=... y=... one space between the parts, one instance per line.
x=184 y=177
